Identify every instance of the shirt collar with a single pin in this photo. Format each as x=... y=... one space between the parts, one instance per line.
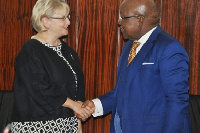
x=143 y=39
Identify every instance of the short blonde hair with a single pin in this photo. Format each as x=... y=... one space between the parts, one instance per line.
x=46 y=8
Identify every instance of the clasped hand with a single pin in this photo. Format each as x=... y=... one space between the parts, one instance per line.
x=84 y=110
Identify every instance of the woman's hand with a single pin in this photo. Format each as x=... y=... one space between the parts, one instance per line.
x=79 y=127
x=83 y=112
x=76 y=106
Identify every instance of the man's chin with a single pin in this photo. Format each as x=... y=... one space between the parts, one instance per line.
x=124 y=37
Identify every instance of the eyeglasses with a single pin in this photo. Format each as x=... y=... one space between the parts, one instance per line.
x=62 y=18
x=136 y=16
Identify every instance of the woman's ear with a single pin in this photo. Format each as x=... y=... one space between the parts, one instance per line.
x=45 y=22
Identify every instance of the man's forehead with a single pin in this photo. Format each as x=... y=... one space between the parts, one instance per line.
x=127 y=7
x=141 y=9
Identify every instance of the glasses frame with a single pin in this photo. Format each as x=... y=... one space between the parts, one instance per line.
x=135 y=16
x=62 y=18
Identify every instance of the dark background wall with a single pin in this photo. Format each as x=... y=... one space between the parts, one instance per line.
x=94 y=35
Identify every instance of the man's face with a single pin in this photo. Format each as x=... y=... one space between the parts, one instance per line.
x=131 y=28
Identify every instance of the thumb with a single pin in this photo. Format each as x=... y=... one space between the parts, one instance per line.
x=86 y=103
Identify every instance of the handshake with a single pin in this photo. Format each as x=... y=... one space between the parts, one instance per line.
x=83 y=110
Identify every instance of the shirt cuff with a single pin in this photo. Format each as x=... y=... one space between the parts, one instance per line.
x=98 y=108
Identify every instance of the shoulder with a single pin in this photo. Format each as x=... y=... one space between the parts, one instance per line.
x=166 y=41
x=161 y=37
x=168 y=46
x=31 y=44
x=166 y=38
x=31 y=48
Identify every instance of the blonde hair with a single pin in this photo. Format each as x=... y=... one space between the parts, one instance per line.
x=46 y=8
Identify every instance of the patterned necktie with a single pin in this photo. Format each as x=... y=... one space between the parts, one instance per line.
x=133 y=52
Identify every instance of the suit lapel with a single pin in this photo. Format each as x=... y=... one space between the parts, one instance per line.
x=139 y=59
x=124 y=56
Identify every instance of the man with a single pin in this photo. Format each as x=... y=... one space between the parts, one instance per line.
x=151 y=94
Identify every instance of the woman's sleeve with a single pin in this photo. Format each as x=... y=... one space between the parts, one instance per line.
x=32 y=75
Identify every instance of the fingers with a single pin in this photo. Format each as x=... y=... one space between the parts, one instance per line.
x=82 y=117
x=84 y=110
x=86 y=103
x=91 y=110
x=81 y=113
x=89 y=105
x=87 y=113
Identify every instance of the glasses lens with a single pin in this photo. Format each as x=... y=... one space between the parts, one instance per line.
x=68 y=16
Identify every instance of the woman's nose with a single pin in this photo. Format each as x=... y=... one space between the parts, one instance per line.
x=68 y=21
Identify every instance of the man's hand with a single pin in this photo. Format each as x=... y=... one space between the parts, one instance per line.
x=89 y=107
x=81 y=112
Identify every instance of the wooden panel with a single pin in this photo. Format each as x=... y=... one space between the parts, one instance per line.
x=15 y=28
x=72 y=38
x=182 y=20
x=97 y=43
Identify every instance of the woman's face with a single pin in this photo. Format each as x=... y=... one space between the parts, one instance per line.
x=59 y=23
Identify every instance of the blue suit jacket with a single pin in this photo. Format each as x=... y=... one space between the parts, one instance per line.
x=156 y=95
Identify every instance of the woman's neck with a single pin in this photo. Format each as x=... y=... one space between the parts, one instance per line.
x=46 y=38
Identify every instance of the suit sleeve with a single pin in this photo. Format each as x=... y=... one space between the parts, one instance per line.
x=107 y=101
x=174 y=65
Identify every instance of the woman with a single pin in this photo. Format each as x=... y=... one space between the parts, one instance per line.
x=49 y=83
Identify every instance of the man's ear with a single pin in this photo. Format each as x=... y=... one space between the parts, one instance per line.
x=141 y=21
x=45 y=22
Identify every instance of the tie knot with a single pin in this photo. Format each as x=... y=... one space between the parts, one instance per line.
x=135 y=44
